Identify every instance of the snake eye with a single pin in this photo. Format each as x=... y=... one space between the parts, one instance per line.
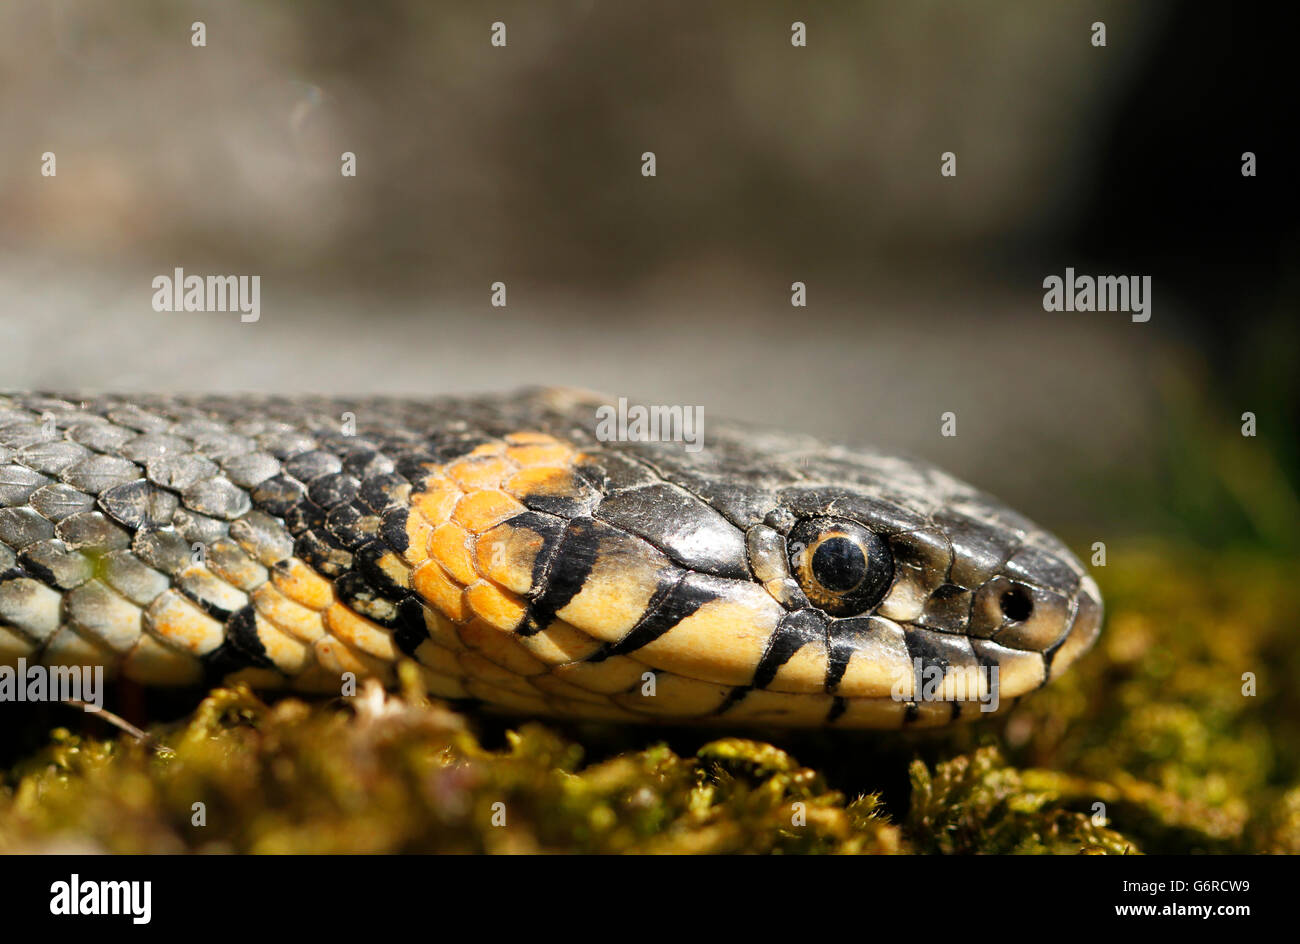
x=843 y=567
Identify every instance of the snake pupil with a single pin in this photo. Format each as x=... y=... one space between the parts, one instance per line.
x=839 y=564
x=1016 y=605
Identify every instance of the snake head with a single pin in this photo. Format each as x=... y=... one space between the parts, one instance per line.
x=945 y=611
x=766 y=578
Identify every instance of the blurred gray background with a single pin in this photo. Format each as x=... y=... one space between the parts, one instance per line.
x=775 y=164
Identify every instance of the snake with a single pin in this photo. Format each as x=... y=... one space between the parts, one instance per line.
x=519 y=557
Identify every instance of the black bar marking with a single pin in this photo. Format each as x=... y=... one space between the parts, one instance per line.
x=921 y=646
x=410 y=630
x=240 y=649
x=574 y=558
x=795 y=631
x=608 y=649
x=681 y=601
x=734 y=697
x=551 y=530
x=218 y=613
x=844 y=637
x=366 y=560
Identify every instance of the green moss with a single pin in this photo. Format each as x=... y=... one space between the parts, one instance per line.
x=1148 y=745
x=974 y=803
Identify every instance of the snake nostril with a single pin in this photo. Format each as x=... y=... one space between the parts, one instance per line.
x=1017 y=605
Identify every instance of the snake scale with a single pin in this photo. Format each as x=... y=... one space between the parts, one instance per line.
x=520 y=561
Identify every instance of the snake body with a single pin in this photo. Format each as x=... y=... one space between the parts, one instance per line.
x=519 y=560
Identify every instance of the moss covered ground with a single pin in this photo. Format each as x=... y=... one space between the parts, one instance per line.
x=1153 y=725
